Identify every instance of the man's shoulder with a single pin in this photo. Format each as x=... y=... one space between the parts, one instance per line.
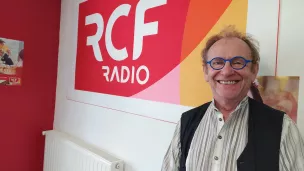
x=196 y=110
x=190 y=119
x=264 y=107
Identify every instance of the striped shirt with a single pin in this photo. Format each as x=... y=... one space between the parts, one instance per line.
x=216 y=144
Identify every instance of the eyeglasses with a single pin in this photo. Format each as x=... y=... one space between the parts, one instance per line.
x=236 y=62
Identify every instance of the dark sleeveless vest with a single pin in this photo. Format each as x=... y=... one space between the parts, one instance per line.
x=264 y=136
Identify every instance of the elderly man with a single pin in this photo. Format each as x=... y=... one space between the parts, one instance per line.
x=5 y=58
x=234 y=132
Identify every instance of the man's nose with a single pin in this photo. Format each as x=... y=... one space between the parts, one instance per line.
x=227 y=69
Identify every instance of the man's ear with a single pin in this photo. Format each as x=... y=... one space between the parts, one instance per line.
x=255 y=70
x=205 y=70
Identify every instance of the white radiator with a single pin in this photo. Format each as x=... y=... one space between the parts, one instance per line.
x=66 y=153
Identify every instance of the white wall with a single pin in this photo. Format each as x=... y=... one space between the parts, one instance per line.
x=140 y=141
x=291 y=58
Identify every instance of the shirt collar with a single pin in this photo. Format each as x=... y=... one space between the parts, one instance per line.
x=241 y=104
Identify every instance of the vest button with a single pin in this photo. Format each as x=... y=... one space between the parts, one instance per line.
x=219 y=137
x=215 y=158
x=220 y=119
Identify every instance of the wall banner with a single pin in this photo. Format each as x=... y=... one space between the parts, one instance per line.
x=150 y=50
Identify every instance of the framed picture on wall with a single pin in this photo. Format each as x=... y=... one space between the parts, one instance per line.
x=11 y=61
x=280 y=92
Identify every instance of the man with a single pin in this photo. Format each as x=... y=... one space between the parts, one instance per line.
x=5 y=58
x=233 y=132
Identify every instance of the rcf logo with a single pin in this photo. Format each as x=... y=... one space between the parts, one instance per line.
x=14 y=80
x=126 y=46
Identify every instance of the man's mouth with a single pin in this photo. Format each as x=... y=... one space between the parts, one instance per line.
x=228 y=82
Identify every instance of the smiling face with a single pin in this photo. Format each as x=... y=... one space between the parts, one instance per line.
x=227 y=83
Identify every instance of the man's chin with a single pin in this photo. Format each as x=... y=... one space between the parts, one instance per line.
x=229 y=96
